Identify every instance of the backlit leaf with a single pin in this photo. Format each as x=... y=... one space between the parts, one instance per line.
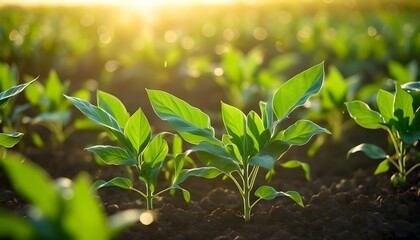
x=370 y=150
x=269 y=193
x=113 y=155
x=138 y=131
x=295 y=164
x=113 y=106
x=153 y=157
x=13 y=91
x=296 y=91
x=120 y=182
x=385 y=101
x=301 y=132
x=403 y=101
x=383 y=167
x=84 y=202
x=190 y=122
x=364 y=116
x=10 y=140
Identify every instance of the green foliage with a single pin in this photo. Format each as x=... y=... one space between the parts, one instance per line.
x=329 y=105
x=400 y=119
x=251 y=141
x=11 y=139
x=136 y=148
x=10 y=113
x=245 y=78
x=60 y=209
x=54 y=112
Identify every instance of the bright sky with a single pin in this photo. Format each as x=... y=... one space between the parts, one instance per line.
x=122 y=2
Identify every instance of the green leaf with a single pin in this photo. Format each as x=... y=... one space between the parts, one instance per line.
x=383 y=167
x=216 y=156
x=399 y=72
x=120 y=182
x=297 y=91
x=153 y=157
x=295 y=164
x=34 y=93
x=234 y=121
x=24 y=176
x=272 y=152
x=335 y=90
x=81 y=203
x=204 y=172
x=5 y=95
x=385 y=101
x=96 y=114
x=113 y=106
x=370 y=150
x=301 y=132
x=256 y=130
x=62 y=117
x=269 y=193
x=404 y=102
x=138 y=131
x=10 y=140
x=190 y=122
x=53 y=88
x=113 y=155
x=364 y=116
x=185 y=193
x=266 y=109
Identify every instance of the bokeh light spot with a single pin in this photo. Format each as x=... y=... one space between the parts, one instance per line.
x=218 y=71
x=260 y=34
x=146 y=218
x=208 y=30
x=171 y=36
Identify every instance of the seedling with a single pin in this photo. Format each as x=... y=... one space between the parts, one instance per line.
x=136 y=146
x=244 y=78
x=329 y=106
x=11 y=139
x=251 y=141
x=399 y=115
x=60 y=209
x=54 y=112
x=10 y=113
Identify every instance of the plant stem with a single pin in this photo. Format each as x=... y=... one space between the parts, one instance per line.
x=246 y=193
x=149 y=198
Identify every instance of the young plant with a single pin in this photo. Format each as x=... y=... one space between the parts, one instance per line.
x=54 y=112
x=251 y=141
x=10 y=113
x=11 y=139
x=329 y=106
x=136 y=146
x=244 y=78
x=399 y=115
x=60 y=209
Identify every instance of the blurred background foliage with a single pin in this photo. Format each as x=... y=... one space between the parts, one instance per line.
x=207 y=53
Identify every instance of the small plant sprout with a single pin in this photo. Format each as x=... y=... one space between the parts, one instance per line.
x=136 y=146
x=251 y=141
x=54 y=112
x=399 y=115
x=11 y=139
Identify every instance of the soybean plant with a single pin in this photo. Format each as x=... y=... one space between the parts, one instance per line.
x=251 y=141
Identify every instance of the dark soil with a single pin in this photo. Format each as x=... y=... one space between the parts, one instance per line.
x=343 y=201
